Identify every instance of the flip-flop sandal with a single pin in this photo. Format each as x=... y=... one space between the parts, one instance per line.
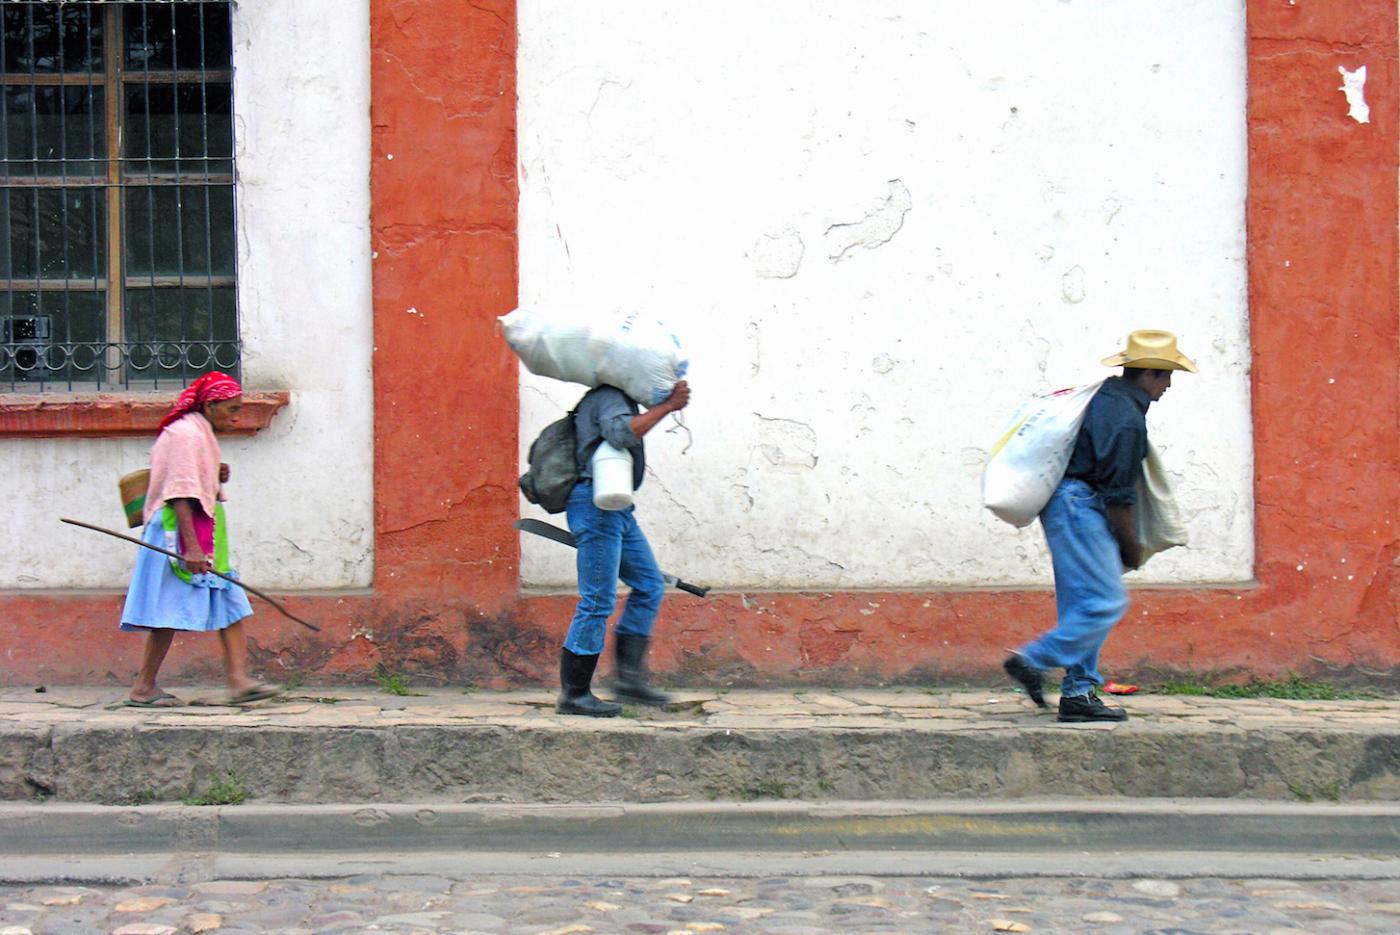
x=163 y=700
x=256 y=693
x=1113 y=688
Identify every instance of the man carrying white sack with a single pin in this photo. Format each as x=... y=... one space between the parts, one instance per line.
x=611 y=546
x=1090 y=525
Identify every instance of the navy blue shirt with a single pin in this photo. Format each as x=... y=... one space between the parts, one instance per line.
x=605 y=413
x=1112 y=442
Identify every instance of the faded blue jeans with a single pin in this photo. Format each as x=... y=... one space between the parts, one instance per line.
x=1089 y=593
x=610 y=546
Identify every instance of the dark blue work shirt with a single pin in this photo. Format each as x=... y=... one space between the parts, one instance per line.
x=1112 y=442
x=605 y=414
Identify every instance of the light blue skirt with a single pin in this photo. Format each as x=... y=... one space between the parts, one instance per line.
x=158 y=599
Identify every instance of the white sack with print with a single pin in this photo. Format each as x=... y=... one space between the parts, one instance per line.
x=1029 y=459
x=1159 y=525
x=631 y=351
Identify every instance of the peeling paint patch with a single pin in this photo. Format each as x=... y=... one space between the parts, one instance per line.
x=778 y=256
x=1354 y=87
x=1072 y=285
x=875 y=229
x=788 y=445
x=742 y=496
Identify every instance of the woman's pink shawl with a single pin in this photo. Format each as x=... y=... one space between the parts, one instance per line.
x=185 y=463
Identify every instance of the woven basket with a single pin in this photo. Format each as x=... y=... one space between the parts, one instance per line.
x=133 y=490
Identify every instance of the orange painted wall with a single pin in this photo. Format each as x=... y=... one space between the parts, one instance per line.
x=1322 y=235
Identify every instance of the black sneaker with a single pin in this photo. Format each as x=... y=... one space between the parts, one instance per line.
x=1029 y=679
x=1079 y=709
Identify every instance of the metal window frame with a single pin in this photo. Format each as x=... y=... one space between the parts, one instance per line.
x=111 y=362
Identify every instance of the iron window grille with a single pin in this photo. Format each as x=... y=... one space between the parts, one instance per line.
x=117 y=247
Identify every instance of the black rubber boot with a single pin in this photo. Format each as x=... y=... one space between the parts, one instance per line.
x=575 y=697
x=630 y=682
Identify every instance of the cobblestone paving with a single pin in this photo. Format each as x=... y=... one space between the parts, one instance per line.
x=418 y=905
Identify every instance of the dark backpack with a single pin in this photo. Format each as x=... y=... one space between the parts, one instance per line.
x=553 y=459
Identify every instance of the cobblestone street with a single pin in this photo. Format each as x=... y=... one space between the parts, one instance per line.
x=534 y=905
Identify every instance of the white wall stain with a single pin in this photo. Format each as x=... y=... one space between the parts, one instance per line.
x=777 y=256
x=1041 y=347
x=755 y=336
x=865 y=415
x=1072 y=285
x=1354 y=87
x=730 y=135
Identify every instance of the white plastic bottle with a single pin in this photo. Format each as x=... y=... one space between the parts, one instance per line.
x=612 y=477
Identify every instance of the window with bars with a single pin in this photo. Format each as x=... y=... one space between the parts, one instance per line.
x=117 y=248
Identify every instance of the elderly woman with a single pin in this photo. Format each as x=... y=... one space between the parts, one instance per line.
x=184 y=513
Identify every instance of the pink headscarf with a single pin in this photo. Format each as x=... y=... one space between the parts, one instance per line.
x=211 y=387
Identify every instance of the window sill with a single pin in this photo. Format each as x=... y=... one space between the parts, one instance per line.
x=115 y=415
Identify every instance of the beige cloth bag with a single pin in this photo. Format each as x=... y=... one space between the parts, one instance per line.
x=1159 y=524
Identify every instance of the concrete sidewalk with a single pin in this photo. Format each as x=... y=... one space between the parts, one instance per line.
x=338 y=745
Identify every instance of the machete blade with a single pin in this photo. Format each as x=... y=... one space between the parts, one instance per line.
x=549 y=531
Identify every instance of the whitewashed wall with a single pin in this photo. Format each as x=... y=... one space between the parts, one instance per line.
x=300 y=499
x=878 y=226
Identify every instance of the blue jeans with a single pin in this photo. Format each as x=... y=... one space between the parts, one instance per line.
x=1089 y=593
x=610 y=546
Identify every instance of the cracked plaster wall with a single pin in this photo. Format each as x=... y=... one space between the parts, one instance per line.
x=301 y=494
x=878 y=227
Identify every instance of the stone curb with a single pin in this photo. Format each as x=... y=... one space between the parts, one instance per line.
x=70 y=745
x=541 y=764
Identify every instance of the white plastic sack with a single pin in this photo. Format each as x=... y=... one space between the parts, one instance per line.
x=1028 y=461
x=1159 y=524
x=637 y=354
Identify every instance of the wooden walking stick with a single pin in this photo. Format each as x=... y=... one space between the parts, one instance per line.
x=247 y=587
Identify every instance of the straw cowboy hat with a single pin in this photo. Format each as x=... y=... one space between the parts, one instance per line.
x=1151 y=350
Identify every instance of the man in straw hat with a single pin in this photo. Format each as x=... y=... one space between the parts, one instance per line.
x=1091 y=527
